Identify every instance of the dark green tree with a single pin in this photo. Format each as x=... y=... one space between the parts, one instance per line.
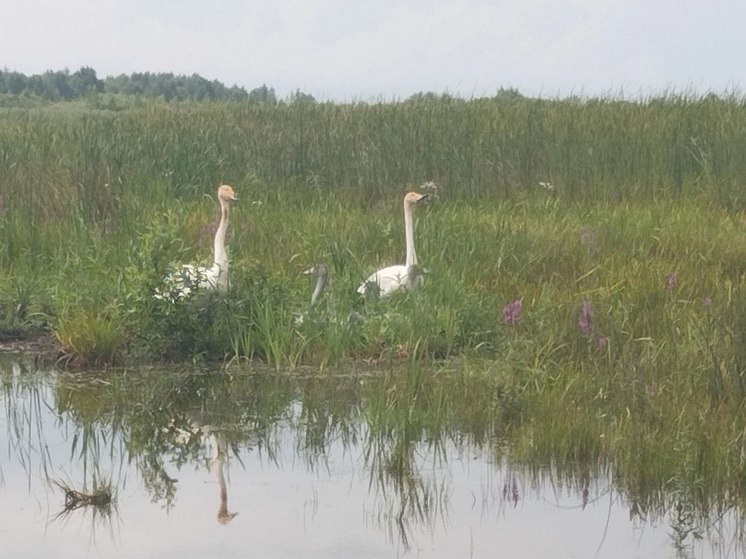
x=262 y=94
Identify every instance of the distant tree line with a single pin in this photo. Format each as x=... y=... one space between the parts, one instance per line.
x=63 y=85
x=120 y=92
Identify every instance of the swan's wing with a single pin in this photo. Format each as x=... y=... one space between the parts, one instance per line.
x=210 y=277
x=389 y=280
x=186 y=280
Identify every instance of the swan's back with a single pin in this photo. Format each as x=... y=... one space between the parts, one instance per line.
x=187 y=280
x=387 y=280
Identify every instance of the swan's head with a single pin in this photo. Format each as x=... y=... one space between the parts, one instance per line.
x=224 y=517
x=412 y=198
x=318 y=270
x=225 y=192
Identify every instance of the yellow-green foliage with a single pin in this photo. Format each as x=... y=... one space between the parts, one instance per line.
x=87 y=338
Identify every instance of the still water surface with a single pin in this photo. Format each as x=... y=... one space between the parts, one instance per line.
x=205 y=463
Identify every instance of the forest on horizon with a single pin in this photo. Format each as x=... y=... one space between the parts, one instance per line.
x=63 y=85
x=117 y=92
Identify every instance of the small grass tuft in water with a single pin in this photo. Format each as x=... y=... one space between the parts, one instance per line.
x=100 y=502
x=88 y=339
x=100 y=498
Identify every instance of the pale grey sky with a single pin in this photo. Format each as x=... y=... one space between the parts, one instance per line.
x=350 y=49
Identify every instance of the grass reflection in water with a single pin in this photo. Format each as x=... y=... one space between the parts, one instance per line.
x=413 y=431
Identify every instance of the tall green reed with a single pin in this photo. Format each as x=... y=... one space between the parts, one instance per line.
x=99 y=206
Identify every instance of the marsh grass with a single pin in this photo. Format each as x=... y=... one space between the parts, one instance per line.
x=24 y=309
x=89 y=338
x=100 y=498
x=97 y=207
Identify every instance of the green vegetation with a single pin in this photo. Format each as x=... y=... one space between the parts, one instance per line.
x=17 y=89
x=550 y=203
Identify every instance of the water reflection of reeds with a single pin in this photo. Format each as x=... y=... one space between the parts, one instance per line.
x=409 y=430
x=25 y=401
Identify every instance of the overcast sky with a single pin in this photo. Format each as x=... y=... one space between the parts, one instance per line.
x=355 y=50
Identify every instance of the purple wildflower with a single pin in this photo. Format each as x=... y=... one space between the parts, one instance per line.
x=512 y=312
x=584 y=320
x=671 y=281
x=602 y=343
x=706 y=302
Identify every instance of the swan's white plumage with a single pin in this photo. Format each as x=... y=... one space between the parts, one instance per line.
x=189 y=279
x=391 y=279
x=386 y=280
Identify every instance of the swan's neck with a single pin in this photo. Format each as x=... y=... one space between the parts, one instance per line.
x=409 y=235
x=320 y=284
x=220 y=255
x=218 y=465
x=413 y=276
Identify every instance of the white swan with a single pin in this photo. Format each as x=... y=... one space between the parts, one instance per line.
x=393 y=278
x=189 y=278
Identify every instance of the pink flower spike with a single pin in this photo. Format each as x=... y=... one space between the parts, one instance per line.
x=585 y=322
x=512 y=312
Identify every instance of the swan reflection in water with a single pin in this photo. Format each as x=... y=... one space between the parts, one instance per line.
x=218 y=459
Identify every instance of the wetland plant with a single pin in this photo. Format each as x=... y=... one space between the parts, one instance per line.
x=89 y=338
x=105 y=202
x=100 y=498
x=512 y=312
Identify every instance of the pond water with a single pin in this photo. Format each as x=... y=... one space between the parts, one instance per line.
x=213 y=463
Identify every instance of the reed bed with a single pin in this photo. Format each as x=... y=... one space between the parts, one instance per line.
x=627 y=211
